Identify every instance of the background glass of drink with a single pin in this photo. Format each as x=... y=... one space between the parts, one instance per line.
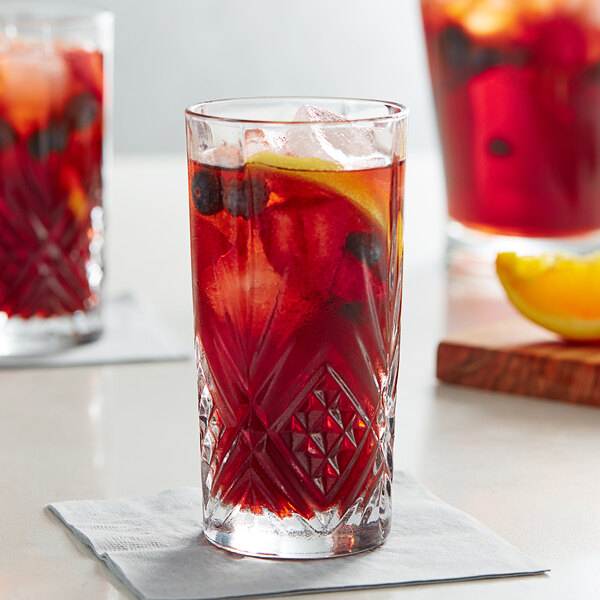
x=296 y=238
x=517 y=91
x=54 y=105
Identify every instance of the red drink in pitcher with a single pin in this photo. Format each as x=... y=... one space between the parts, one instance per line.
x=517 y=92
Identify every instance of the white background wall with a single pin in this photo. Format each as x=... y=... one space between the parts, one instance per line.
x=172 y=53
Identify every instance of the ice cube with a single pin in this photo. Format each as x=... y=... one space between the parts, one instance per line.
x=308 y=112
x=224 y=155
x=591 y=13
x=485 y=19
x=259 y=140
x=353 y=147
x=35 y=81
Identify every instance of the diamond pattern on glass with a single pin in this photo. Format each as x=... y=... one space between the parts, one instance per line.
x=48 y=265
x=326 y=432
x=321 y=458
x=211 y=426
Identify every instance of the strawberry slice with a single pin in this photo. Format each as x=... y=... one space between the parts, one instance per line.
x=305 y=243
x=208 y=244
x=87 y=70
x=251 y=300
x=304 y=236
x=561 y=44
x=241 y=288
x=354 y=281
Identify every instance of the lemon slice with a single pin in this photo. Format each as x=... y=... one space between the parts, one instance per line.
x=294 y=163
x=369 y=191
x=557 y=291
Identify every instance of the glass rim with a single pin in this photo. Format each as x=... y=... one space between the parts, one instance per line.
x=35 y=15
x=401 y=111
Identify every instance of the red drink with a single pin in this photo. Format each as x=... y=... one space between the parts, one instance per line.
x=517 y=92
x=291 y=274
x=296 y=238
x=50 y=179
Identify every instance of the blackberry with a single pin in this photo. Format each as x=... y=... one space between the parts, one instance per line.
x=235 y=199
x=53 y=138
x=238 y=194
x=484 y=58
x=592 y=73
x=461 y=55
x=455 y=47
x=260 y=191
x=353 y=311
x=7 y=135
x=81 y=110
x=205 y=191
x=365 y=246
x=38 y=144
x=500 y=147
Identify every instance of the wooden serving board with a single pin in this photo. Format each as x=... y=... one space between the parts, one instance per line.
x=517 y=357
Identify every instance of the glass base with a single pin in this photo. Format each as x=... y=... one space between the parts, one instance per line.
x=473 y=252
x=39 y=336
x=268 y=536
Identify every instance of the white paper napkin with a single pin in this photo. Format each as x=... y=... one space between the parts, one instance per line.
x=154 y=544
x=131 y=334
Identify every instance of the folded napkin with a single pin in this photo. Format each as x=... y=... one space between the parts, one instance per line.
x=131 y=334
x=154 y=544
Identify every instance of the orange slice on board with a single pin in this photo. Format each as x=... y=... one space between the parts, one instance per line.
x=557 y=291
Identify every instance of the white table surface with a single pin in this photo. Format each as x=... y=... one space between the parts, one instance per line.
x=529 y=469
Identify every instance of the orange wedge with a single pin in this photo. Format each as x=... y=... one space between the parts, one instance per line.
x=371 y=195
x=76 y=198
x=557 y=291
